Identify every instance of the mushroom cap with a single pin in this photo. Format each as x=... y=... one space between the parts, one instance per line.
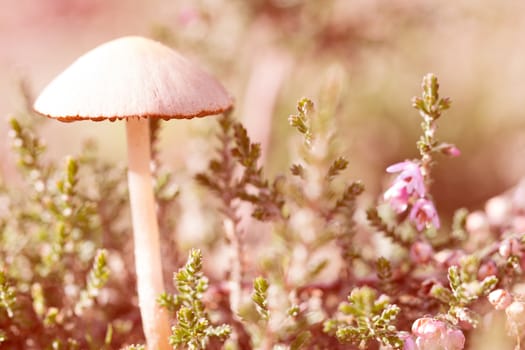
x=132 y=77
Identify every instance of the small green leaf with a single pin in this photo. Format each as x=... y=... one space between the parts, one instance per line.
x=259 y=297
x=384 y=270
x=337 y=166
x=96 y=279
x=302 y=120
x=372 y=318
x=297 y=170
x=459 y=222
x=441 y=293
x=301 y=341
x=453 y=277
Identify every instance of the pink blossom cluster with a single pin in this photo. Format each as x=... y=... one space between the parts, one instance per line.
x=514 y=309
x=504 y=213
x=503 y=219
x=409 y=191
x=432 y=334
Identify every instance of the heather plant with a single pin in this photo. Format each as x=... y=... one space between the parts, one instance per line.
x=326 y=269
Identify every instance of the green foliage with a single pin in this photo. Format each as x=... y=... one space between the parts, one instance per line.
x=343 y=213
x=346 y=205
x=384 y=269
x=234 y=175
x=74 y=215
x=51 y=232
x=459 y=222
x=29 y=149
x=237 y=152
x=65 y=224
x=337 y=166
x=377 y=222
x=430 y=103
x=302 y=121
x=7 y=295
x=260 y=297
x=96 y=279
x=318 y=186
x=301 y=341
x=430 y=107
x=297 y=170
x=135 y=347
x=465 y=288
x=193 y=329
x=371 y=318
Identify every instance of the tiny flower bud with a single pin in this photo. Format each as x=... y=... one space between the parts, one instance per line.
x=451 y=150
x=498 y=210
x=477 y=221
x=421 y=252
x=500 y=299
x=423 y=214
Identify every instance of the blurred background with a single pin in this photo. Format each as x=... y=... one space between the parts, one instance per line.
x=270 y=53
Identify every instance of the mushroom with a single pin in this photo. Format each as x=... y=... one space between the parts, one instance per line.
x=135 y=79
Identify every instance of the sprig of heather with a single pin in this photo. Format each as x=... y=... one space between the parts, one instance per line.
x=193 y=328
x=366 y=317
x=409 y=192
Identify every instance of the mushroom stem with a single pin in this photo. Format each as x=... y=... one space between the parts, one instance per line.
x=146 y=235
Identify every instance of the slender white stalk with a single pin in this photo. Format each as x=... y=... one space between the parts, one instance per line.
x=146 y=235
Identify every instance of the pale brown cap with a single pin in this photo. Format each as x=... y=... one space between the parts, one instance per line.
x=132 y=77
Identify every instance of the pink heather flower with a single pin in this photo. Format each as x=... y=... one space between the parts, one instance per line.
x=509 y=247
x=424 y=213
x=433 y=334
x=500 y=299
x=421 y=252
x=451 y=150
x=410 y=174
x=398 y=197
x=428 y=327
x=453 y=339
